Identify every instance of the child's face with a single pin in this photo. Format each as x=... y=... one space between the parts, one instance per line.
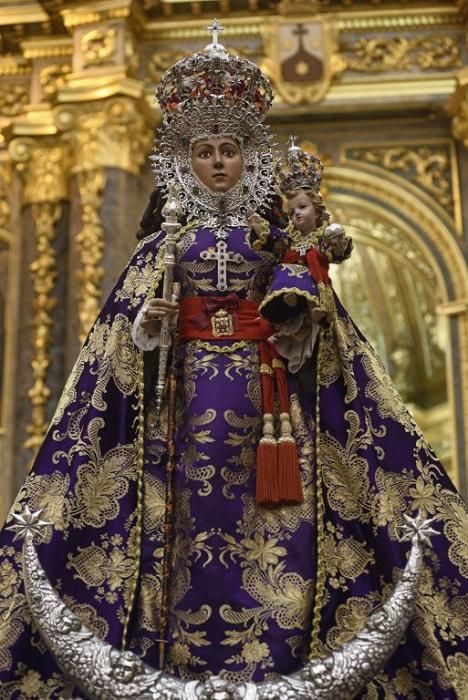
x=302 y=213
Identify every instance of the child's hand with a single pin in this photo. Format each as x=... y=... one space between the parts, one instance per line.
x=255 y=222
x=335 y=242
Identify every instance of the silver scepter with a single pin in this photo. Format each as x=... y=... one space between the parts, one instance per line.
x=171 y=212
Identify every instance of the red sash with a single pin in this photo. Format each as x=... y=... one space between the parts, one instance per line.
x=221 y=318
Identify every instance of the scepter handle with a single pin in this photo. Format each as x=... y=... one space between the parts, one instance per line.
x=171 y=211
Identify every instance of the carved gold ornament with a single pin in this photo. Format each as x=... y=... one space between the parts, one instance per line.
x=5 y=181
x=98 y=46
x=428 y=166
x=52 y=78
x=44 y=171
x=43 y=274
x=90 y=242
x=457 y=107
x=299 y=58
x=13 y=98
x=380 y=54
x=112 y=134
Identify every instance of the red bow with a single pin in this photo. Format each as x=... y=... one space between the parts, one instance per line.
x=212 y=304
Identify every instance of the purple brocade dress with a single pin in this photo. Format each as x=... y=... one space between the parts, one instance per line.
x=253 y=591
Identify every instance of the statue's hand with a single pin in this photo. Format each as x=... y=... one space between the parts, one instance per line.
x=156 y=312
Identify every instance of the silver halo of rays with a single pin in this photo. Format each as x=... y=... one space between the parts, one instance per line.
x=172 y=163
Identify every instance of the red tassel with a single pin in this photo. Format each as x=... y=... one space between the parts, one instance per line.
x=289 y=478
x=267 y=473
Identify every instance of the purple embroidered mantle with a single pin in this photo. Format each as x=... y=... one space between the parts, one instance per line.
x=251 y=589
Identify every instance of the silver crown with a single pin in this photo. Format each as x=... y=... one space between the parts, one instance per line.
x=214 y=76
x=210 y=94
x=299 y=170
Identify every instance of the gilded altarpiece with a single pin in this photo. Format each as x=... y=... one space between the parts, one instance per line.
x=379 y=92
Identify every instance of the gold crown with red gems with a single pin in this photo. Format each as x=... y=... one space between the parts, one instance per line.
x=214 y=76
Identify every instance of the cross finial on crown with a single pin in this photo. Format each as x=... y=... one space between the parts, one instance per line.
x=214 y=28
x=292 y=143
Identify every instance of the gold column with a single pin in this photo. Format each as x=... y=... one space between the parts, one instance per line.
x=103 y=112
x=110 y=133
x=457 y=107
x=90 y=242
x=7 y=371
x=43 y=167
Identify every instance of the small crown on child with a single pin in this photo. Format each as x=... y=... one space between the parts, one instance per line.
x=299 y=170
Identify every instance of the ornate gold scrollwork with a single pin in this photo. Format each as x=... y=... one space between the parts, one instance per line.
x=5 y=179
x=380 y=54
x=90 y=242
x=428 y=166
x=52 y=77
x=13 y=98
x=45 y=185
x=44 y=171
x=98 y=46
x=110 y=134
x=457 y=107
x=43 y=274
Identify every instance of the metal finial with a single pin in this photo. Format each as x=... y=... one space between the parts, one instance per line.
x=172 y=209
x=292 y=144
x=214 y=28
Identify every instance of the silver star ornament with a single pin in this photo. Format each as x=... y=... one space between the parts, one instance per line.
x=27 y=522
x=418 y=526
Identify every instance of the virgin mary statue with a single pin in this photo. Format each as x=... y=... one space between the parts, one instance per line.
x=252 y=519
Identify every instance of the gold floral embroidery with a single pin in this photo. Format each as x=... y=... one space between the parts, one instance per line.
x=14 y=611
x=106 y=567
x=138 y=280
x=102 y=482
x=154 y=504
x=186 y=548
x=458 y=668
x=345 y=473
x=110 y=346
x=244 y=436
x=283 y=596
x=344 y=557
x=30 y=685
x=351 y=618
x=340 y=345
x=455 y=515
x=381 y=389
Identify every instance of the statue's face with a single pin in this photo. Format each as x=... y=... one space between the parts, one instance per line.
x=217 y=162
x=302 y=213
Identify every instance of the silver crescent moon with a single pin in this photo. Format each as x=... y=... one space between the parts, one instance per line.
x=103 y=672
